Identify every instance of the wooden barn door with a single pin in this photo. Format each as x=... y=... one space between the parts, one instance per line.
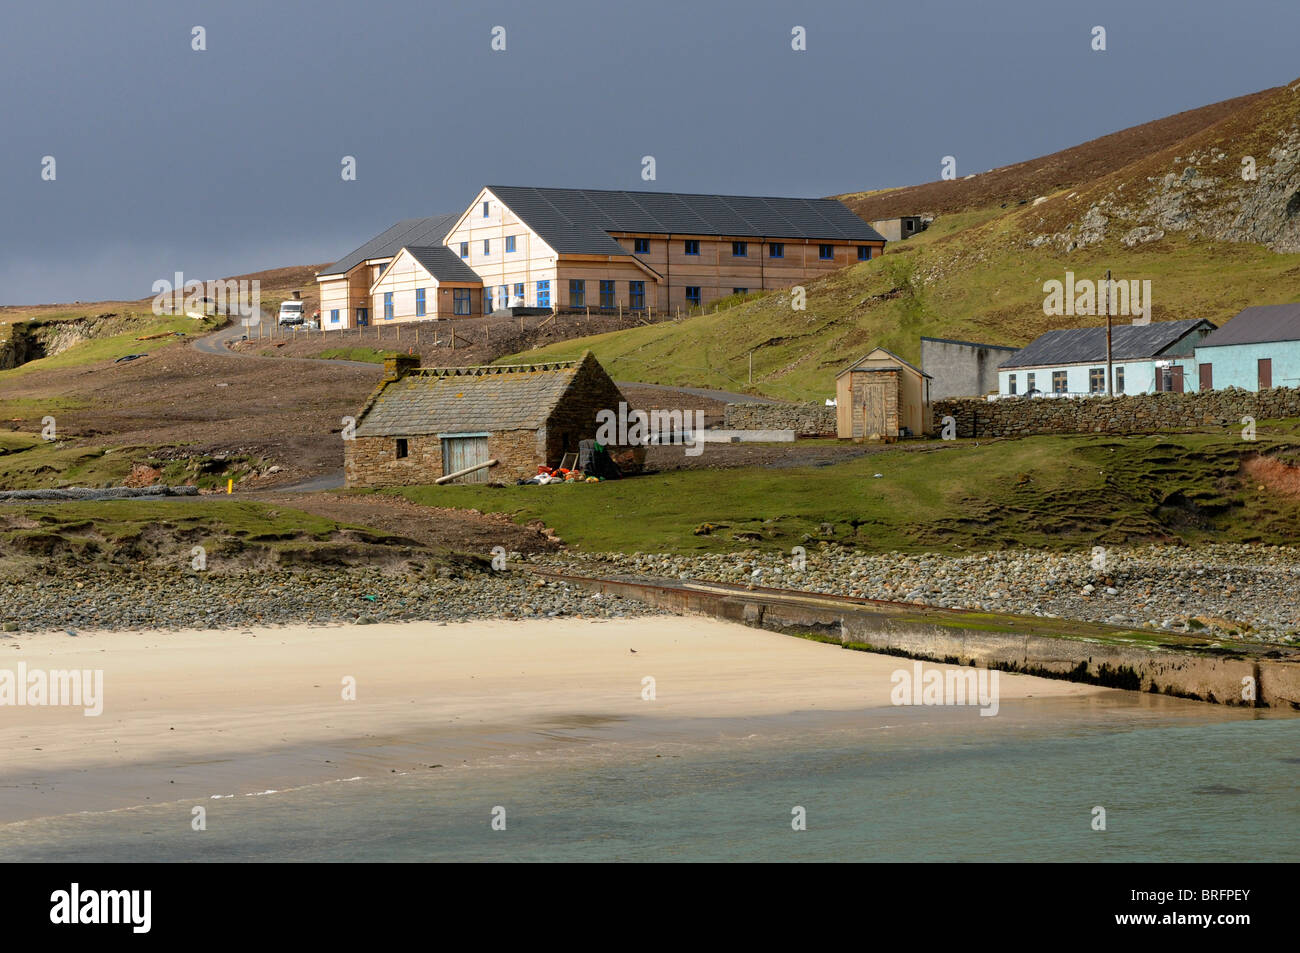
x=875 y=404
x=1176 y=379
x=461 y=452
x=1265 y=373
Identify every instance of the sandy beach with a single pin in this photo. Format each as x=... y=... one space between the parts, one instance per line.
x=196 y=714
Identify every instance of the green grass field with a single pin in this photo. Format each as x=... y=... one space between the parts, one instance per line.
x=1053 y=493
x=969 y=277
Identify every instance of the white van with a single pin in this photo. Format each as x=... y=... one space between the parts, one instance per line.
x=291 y=312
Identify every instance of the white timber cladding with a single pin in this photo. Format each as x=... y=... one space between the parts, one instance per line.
x=401 y=278
x=532 y=260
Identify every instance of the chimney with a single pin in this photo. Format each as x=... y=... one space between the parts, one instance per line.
x=397 y=366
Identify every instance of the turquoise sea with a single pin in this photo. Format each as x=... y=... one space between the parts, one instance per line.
x=1178 y=782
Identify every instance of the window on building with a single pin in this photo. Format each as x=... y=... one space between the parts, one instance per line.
x=1060 y=382
x=776 y=250
x=510 y=244
x=388 y=306
x=1096 y=380
x=487 y=246
x=636 y=295
x=1119 y=379
x=693 y=294
x=464 y=249
x=641 y=246
x=864 y=253
x=1011 y=383
x=1029 y=382
x=519 y=292
x=419 y=302
x=462 y=301
x=607 y=294
x=485 y=209
x=740 y=249
x=577 y=293
x=826 y=252
x=740 y=291
x=505 y=296
x=487 y=300
x=334 y=316
x=543 y=294
x=691 y=246
x=401 y=448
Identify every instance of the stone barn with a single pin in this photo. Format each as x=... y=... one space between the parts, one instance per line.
x=424 y=423
x=882 y=396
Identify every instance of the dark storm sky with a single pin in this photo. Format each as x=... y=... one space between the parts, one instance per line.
x=227 y=161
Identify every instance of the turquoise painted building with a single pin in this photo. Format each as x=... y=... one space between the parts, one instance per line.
x=1256 y=350
x=1146 y=358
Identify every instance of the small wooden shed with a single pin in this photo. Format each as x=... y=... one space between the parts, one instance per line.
x=881 y=396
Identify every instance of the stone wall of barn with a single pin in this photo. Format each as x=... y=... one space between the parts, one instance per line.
x=574 y=418
x=373 y=461
x=1142 y=413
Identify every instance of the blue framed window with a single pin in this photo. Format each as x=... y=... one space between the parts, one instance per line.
x=487 y=300
x=607 y=294
x=740 y=249
x=464 y=249
x=636 y=295
x=485 y=209
x=740 y=291
x=693 y=294
x=864 y=253
x=826 y=252
x=419 y=302
x=462 y=301
x=776 y=250
x=510 y=244
x=519 y=292
x=543 y=294
x=363 y=317
x=641 y=246
x=487 y=246
x=692 y=246
x=505 y=296
x=334 y=316
x=577 y=293
x=388 y=306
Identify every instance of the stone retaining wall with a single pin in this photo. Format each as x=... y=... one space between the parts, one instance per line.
x=1141 y=413
x=801 y=418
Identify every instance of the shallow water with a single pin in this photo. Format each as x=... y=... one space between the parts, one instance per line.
x=1178 y=782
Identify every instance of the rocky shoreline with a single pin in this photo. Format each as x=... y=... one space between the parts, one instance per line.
x=104 y=600
x=1229 y=592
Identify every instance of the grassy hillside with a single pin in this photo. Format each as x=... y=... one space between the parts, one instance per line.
x=977 y=273
x=1056 y=493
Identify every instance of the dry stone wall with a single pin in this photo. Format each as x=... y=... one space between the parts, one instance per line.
x=1140 y=413
x=801 y=418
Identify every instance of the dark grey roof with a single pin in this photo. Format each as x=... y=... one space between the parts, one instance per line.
x=1129 y=342
x=990 y=347
x=1259 y=325
x=577 y=221
x=490 y=398
x=443 y=263
x=411 y=231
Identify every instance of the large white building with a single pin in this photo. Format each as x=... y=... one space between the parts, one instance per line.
x=574 y=249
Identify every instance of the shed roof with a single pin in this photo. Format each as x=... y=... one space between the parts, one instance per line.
x=1261 y=324
x=491 y=398
x=1129 y=342
x=578 y=221
x=854 y=365
x=410 y=231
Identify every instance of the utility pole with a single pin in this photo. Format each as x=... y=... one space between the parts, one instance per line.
x=1110 y=372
